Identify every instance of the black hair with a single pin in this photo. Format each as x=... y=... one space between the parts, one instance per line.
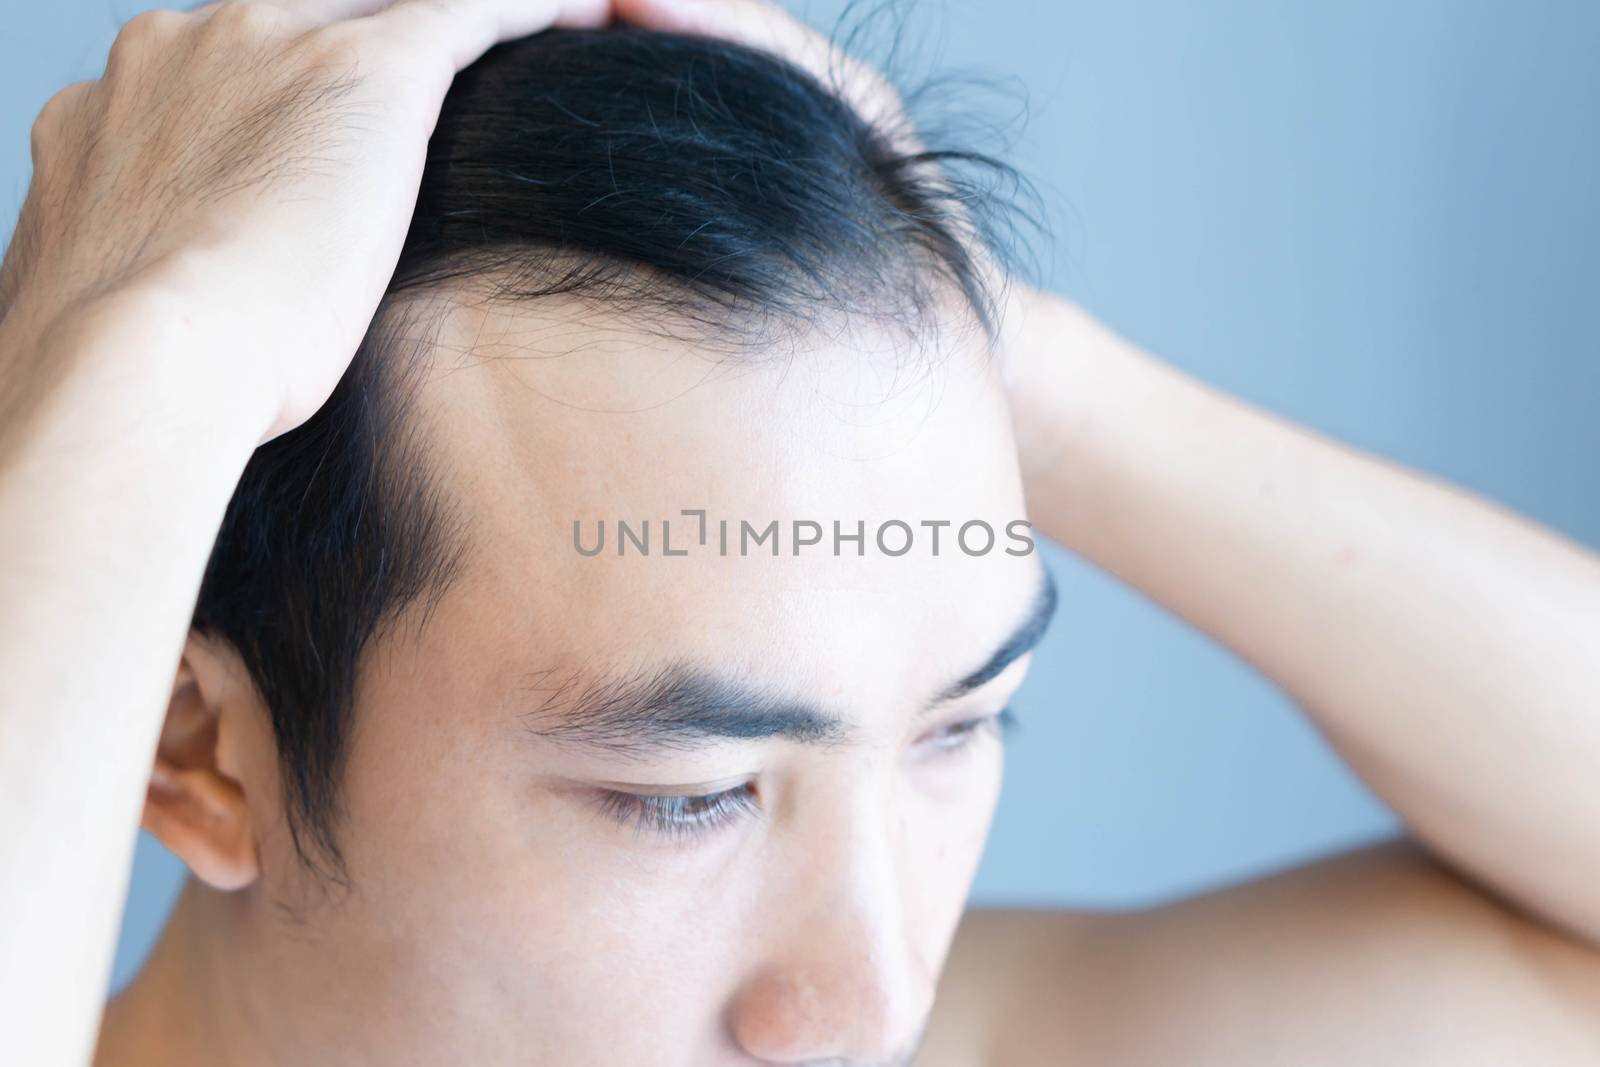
x=705 y=183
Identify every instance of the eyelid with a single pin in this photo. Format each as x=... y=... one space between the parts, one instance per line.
x=1002 y=689
x=1001 y=722
x=663 y=814
x=674 y=789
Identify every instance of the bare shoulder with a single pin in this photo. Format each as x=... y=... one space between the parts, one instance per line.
x=1380 y=955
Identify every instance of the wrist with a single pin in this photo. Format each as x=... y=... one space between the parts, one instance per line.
x=140 y=361
x=1085 y=403
x=117 y=403
x=1056 y=365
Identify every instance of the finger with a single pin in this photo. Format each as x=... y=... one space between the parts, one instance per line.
x=465 y=29
x=313 y=12
x=585 y=14
x=748 y=22
x=322 y=12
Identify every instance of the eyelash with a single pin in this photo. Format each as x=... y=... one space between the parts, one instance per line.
x=680 y=817
x=677 y=817
x=1001 y=723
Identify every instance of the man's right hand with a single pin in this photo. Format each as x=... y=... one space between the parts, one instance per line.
x=209 y=231
x=258 y=160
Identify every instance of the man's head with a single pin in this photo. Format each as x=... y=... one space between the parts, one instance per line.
x=609 y=672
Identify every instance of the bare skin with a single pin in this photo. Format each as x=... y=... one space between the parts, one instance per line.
x=1450 y=650
x=1432 y=636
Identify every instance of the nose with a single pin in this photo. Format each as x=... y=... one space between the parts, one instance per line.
x=844 y=1003
x=847 y=988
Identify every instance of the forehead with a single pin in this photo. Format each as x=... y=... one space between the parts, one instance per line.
x=555 y=421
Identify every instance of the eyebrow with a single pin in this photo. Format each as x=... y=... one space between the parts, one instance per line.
x=681 y=708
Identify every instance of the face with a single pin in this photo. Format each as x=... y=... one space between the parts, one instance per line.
x=717 y=807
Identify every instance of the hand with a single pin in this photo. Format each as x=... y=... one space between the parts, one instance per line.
x=259 y=161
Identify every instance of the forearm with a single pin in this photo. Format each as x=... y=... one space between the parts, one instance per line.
x=1448 y=648
x=113 y=481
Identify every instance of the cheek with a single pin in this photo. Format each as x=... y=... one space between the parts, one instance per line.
x=953 y=798
x=949 y=809
x=521 y=923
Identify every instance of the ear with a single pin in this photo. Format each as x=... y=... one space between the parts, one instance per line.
x=194 y=804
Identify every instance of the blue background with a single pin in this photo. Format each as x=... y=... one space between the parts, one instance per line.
x=1377 y=218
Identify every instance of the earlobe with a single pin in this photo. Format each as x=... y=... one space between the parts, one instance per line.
x=193 y=805
x=202 y=818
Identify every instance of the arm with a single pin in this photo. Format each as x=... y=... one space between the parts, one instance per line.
x=112 y=485
x=1378 y=956
x=1449 y=649
x=209 y=230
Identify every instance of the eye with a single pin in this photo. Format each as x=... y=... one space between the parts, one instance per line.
x=961 y=735
x=680 y=817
